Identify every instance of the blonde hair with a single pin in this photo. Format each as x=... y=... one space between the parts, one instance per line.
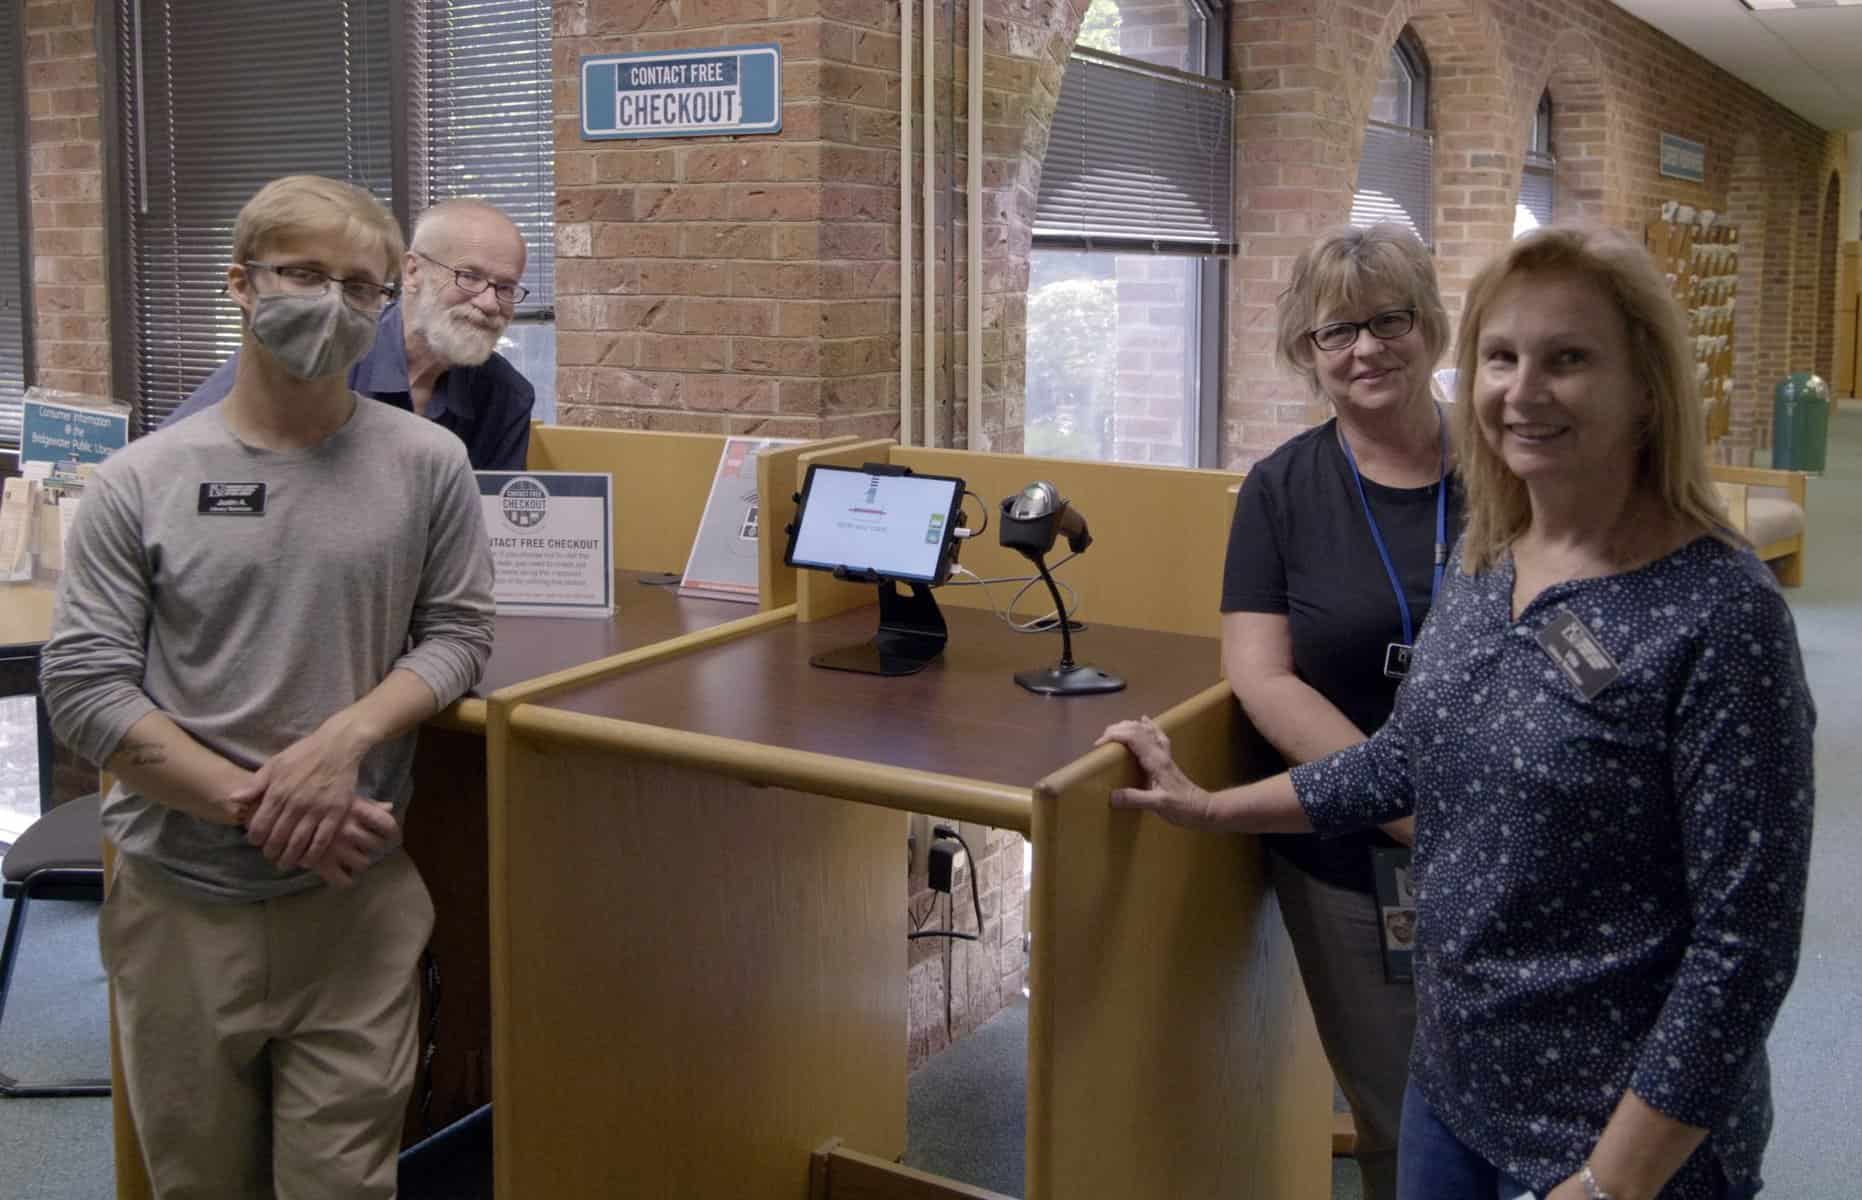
x=310 y=206
x=1347 y=268
x=1672 y=465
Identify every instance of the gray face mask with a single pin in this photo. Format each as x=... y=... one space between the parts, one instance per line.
x=312 y=336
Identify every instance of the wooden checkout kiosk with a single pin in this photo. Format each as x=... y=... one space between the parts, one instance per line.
x=666 y=855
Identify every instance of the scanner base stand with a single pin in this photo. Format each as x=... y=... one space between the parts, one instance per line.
x=1069 y=680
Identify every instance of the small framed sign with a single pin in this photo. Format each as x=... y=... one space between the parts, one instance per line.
x=551 y=542
x=683 y=93
x=1682 y=159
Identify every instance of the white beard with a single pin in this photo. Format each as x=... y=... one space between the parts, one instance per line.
x=455 y=334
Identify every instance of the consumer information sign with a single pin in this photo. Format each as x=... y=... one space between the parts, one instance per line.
x=66 y=433
x=685 y=93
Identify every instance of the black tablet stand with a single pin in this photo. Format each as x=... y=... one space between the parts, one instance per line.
x=911 y=633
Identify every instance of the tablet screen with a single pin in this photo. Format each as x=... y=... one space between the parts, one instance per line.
x=894 y=525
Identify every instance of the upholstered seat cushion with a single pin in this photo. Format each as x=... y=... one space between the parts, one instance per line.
x=1770 y=517
x=71 y=835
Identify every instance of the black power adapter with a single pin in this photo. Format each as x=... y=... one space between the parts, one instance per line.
x=941 y=863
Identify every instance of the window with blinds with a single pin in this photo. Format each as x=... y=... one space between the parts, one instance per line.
x=486 y=129
x=14 y=289
x=1535 y=190
x=1396 y=179
x=1139 y=158
x=1396 y=172
x=216 y=98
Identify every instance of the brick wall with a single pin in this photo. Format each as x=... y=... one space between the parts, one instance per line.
x=71 y=306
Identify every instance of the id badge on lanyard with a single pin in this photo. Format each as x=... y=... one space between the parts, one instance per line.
x=1397 y=655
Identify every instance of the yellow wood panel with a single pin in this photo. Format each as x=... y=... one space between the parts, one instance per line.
x=660 y=484
x=778 y=479
x=25 y=613
x=841 y=1174
x=1159 y=536
x=132 y=1179
x=1171 y=1049
x=702 y=981
x=818 y=595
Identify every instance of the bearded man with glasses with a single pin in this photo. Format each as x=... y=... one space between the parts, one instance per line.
x=435 y=349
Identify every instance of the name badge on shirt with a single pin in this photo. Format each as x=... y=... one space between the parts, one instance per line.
x=1578 y=654
x=1396 y=660
x=232 y=500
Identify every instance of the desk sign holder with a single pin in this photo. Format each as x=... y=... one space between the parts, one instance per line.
x=551 y=542
x=722 y=565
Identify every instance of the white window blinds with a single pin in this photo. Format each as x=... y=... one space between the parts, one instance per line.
x=13 y=257
x=1535 y=187
x=487 y=129
x=1138 y=158
x=219 y=97
x=1396 y=179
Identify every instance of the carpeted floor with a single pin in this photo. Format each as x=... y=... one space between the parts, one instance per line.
x=965 y=1117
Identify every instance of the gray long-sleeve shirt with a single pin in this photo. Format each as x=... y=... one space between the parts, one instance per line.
x=249 y=595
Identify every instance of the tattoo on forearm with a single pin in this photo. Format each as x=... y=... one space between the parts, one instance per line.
x=144 y=754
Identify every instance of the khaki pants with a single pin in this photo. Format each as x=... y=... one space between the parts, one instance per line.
x=1365 y=1024
x=268 y=1049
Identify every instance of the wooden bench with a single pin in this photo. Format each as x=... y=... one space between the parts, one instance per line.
x=1769 y=507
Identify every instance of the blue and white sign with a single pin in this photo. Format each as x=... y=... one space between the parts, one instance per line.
x=550 y=542
x=68 y=433
x=1682 y=159
x=683 y=93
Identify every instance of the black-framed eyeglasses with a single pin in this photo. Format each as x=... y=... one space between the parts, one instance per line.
x=473 y=282
x=1385 y=326
x=364 y=295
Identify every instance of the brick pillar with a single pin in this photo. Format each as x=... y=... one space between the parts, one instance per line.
x=1745 y=209
x=1298 y=154
x=65 y=135
x=734 y=285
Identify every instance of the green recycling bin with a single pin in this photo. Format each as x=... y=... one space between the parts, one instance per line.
x=1800 y=415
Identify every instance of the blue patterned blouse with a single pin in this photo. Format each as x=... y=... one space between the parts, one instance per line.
x=1610 y=891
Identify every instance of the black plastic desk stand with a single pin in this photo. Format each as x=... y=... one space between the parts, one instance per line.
x=911 y=633
x=1067 y=678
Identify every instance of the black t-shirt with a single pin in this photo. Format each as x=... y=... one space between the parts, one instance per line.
x=1300 y=546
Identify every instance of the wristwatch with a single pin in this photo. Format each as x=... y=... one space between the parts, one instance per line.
x=1592 y=1190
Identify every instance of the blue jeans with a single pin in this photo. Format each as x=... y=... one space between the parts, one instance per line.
x=1433 y=1164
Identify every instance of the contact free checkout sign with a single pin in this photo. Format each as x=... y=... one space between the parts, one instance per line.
x=684 y=93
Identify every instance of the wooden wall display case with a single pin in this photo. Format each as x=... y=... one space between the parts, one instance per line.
x=1700 y=257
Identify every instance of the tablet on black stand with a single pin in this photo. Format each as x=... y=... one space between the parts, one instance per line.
x=883 y=525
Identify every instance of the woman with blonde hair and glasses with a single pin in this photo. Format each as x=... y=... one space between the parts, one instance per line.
x=1605 y=739
x=1334 y=557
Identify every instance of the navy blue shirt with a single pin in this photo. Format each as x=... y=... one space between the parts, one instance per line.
x=1610 y=892
x=1300 y=547
x=487 y=406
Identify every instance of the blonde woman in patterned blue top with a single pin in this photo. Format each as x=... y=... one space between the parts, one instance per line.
x=1605 y=740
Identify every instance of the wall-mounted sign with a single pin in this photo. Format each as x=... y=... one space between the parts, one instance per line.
x=51 y=432
x=550 y=544
x=683 y=93
x=1682 y=159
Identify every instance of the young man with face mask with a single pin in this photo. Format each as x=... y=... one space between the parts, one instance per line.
x=258 y=608
x=435 y=352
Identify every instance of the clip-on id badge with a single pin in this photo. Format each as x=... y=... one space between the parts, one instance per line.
x=1396 y=660
x=1575 y=650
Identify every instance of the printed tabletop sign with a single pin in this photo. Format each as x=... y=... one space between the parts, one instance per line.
x=550 y=542
x=685 y=93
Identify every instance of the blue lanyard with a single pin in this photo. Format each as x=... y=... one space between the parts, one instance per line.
x=1377 y=536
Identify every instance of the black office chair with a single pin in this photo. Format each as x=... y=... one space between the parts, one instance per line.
x=59 y=857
